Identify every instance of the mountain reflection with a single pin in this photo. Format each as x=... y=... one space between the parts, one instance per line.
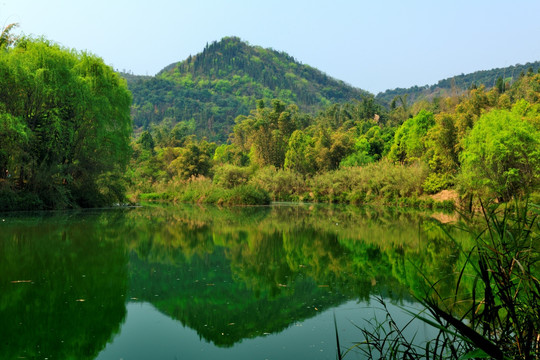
x=229 y=274
x=240 y=273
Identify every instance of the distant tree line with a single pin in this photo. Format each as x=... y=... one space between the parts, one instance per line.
x=460 y=84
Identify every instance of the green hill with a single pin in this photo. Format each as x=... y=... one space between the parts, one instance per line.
x=459 y=84
x=213 y=87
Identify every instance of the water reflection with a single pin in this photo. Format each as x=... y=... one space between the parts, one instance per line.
x=63 y=281
x=227 y=274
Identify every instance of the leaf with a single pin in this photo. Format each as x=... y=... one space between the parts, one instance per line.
x=475 y=354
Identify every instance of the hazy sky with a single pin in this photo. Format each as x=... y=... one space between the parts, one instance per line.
x=374 y=45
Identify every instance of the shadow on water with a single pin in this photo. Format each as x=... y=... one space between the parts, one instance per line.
x=63 y=282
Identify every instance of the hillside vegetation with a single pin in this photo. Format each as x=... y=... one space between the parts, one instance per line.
x=459 y=84
x=243 y=124
x=483 y=143
x=209 y=90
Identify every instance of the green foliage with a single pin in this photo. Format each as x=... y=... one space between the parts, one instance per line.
x=230 y=176
x=382 y=182
x=147 y=141
x=501 y=155
x=360 y=156
x=224 y=81
x=409 y=141
x=202 y=190
x=193 y=160
x=265 y=133
x=436 y=182
x=247 y=195
x=64 y=124
x=459 y=84
x=281 y=184
x=15 y=200
x=230 y=154
x=299 y=156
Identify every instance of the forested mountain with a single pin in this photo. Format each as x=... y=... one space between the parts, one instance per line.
x=209 y=90
x=457 y=85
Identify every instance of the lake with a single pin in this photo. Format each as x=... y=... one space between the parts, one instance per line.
x=193 y=282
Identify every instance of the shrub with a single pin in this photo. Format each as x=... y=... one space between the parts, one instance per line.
x=282 y=185
x=11 y=200
x=247 y=195
x=229 y=176
x=436 y=182
x=501 y=155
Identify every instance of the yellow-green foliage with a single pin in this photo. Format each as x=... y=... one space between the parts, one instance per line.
x=381 y=181
x=501 y=155
x=64 y=125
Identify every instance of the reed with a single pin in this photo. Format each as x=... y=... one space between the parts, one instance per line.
x=498 y=318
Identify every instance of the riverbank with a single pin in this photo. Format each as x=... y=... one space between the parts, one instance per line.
x=204 y=191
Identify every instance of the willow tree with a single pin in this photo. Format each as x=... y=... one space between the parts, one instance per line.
x=66 y=115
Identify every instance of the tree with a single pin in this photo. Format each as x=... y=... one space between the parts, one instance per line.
x=6 y=38
x=299 y=157
x=147 y=141
x=192 y=160
x=265 y=133
x=409 y=139
x=501 y=155
x=71 y=114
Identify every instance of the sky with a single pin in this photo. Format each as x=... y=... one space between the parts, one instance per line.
x=373 y=45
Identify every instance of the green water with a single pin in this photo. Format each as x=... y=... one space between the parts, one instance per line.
x=196 y=282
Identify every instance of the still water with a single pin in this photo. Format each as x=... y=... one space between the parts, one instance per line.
x=191 y=282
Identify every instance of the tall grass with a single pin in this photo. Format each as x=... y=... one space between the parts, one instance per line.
x=498 y=318
x=202 y=190
x=382 y=181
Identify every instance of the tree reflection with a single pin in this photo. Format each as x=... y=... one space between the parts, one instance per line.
x=239 y=273
x=229 y=274
x=63 y=281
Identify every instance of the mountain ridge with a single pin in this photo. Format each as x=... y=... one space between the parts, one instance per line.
x=226 y=80
x=210 y=89
x=459 y=83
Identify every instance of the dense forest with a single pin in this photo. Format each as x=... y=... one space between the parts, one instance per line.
x=243 y=124
x=480 y=142
x=65 y=127
x=210 y=89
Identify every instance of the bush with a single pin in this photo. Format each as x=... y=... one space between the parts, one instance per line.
x=229 y=176
x=155 y=196
x=501 y=156
x=282 y=185
x=436 y=182
x=383 y=180
x=247 y=195
x=201 y=190
x=11 y=200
